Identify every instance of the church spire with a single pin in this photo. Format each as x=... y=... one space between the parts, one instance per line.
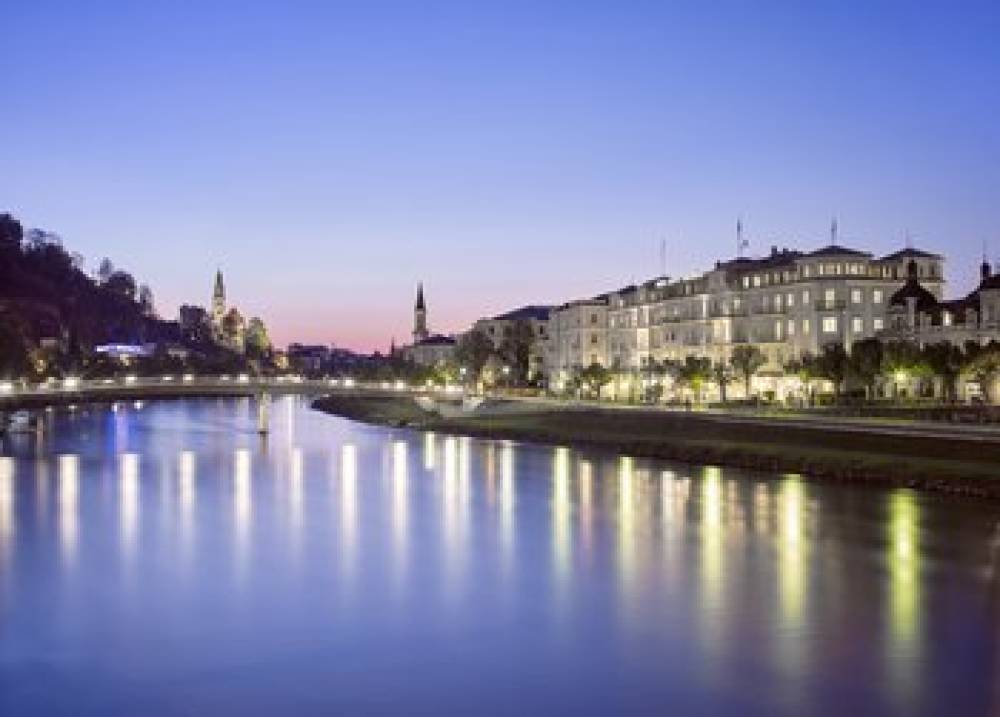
x=420 y=331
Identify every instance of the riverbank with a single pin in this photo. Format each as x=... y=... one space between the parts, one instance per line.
x=904 y=455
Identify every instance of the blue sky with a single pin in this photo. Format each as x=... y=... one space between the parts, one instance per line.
x=329 y=155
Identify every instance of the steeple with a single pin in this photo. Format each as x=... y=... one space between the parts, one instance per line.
x=218 y=303
x=420 y=331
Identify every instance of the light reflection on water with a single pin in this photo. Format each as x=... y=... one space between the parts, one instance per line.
x=633 y=585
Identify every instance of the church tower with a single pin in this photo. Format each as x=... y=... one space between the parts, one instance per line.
x=218 y=303
x=420 y=316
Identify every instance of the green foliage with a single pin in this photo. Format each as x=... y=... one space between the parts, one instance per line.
x=982 y=364
x=865 y=363
x=473 y=350
x=693 y=373
x=746 y=361
x=722 y=375
x=515 y=350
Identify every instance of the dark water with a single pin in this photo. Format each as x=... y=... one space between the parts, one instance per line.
x=162 y=559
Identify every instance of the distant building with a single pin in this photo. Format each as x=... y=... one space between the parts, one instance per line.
x=501 y=327
x=427 y=349
x=917 y=314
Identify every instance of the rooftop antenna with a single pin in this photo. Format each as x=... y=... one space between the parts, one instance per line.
x=741 y=243
x=663 y=257
x=833 y=231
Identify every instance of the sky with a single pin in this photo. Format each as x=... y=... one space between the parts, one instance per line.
x=329 y=155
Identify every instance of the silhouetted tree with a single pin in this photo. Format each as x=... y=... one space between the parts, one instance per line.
x=746 y=361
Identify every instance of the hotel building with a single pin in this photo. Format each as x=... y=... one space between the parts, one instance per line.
x=787 y=303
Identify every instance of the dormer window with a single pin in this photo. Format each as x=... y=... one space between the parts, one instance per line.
x=946 y=318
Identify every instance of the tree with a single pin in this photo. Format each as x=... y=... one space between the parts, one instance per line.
x=832 y=364
x=105 y=270
x=983 y=366
x=515 y=349
x=945 y=360
x=257 y=341
x=865 y=363
x=122 y=284
x=694 y=373
x=722 y=375
x=14 y=352
x=746 y=361
x=11 y=234
x=473 y=350
x=146 y=300
x=903 y=361
x=594 y=378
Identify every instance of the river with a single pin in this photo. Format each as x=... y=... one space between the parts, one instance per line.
x=162 y=558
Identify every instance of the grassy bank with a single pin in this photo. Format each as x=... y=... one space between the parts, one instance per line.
x=967 y=466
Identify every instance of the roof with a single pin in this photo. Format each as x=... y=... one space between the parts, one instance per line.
x=837 y=250
x=541 y=313
x=775 y=258
x=913 y=290
x=436 y=340
x=910 y=252
x=990 y=282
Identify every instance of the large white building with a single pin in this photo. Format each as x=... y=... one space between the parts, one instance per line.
x=786 y=304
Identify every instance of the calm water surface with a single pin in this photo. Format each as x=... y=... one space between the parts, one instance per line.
x=163 y=559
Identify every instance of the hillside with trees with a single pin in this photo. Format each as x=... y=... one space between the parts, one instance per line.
x=53 y=314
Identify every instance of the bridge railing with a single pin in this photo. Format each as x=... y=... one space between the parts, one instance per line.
x=185 y=383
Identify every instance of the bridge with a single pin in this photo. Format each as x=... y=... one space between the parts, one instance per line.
x=70 y=391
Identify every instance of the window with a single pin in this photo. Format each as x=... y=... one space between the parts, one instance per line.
x=746 y=282
x=829 y=324
x=857 y=325
x=777 y=330
x=877 y=296
x=946 y=318
x=593 y=318
x=791 y=327
x=805 y=327
x=777 y=302
x=805 y=296
x=855 y=296
x=829 y=297
x=756 y=281
x=790 y=299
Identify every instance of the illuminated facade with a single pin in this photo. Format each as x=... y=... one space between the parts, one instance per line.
x=786 y=304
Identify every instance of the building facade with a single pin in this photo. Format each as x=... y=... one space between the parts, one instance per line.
x=786 y=304
x=427 y=349
x=502 y=327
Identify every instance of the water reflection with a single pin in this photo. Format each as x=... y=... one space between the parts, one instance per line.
x=904 y=592
x=69 y=496
x=242 y=501
x=6 y=506
x=704 y=584
x=430 y=451
x=348 y=503
x=507 y=503
x=561 y=514
x=128 y=500
x=400 y=504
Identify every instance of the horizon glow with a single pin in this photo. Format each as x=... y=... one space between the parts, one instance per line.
x=328 y=157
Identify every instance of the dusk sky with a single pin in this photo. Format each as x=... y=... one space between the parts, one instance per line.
x=327 y=156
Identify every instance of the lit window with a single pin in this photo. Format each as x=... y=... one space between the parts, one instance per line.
x=746 y=282
x=829 y=324
x=790 y=299
x=777 y=330
x=791 y=327
x=877 y=296
x=855 y=296
x=877 y=324
x=946 y=318
x=829 y=297
x=756 y=281
x=857 y=325
x=805 y=326
x=805 y=296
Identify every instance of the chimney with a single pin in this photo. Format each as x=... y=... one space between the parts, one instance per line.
x=774 y=250
x=984 y=270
